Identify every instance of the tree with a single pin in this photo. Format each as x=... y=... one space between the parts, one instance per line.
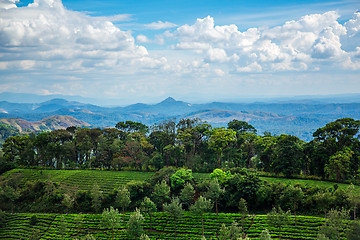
x=353 y=198
x=220 y=140
x=180 y=177
x=68 y=201
x=187 y=195
x=338 y=165
x=134 y=226
x=144 y=237
x=111 y=219
x=161 y=193
x=11 y=195
x=148 y=207
x=130 y=126
x=243 y=209
x=278 y=218
x=174 y=209
x=123 y=199
x=221 y=176
x=354 y=230
x=241 y=126
x=324 y=200
x=234 y=232
x=214 y=192
x=334 y=223
x=293 y=195
x=201 y=206
x=96 y=197
x=265 y=235
x=288 y=155
x=63 y=227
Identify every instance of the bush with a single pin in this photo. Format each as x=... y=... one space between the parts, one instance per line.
x=33 y=220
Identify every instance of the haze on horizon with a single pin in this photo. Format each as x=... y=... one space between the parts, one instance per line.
x=196 y=51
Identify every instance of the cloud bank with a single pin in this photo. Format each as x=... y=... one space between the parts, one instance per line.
x=45 y=47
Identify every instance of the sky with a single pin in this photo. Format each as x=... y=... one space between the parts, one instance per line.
x=126 y=51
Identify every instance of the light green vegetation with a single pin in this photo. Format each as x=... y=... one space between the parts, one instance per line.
x=18 y=226
x=110 y=180
x=310 y=183
x=82 y=179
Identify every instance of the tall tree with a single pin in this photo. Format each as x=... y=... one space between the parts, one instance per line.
x=220 y=140
x=278 y=218
x=148 y=207
x=293 y=195
x=187 y=195
x=161 y=193
x=353 y=197
x=174 y=209
x=111 y=219
x=123 y=199
x=288 y=155
x=134 y=226
x=201 y=206
x=214 y=192
x=96 y=197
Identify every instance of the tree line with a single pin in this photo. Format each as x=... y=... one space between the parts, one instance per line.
x=194 y=144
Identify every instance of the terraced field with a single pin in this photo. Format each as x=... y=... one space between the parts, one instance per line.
x=17 y=226
x=83 y=179
x=109 y=180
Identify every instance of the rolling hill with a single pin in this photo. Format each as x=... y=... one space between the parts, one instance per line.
x=46 y=124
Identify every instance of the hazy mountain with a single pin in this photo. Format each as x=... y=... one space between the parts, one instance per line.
x=300 y=118
x=46 y=124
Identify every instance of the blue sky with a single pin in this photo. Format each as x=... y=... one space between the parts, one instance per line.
x=196 y=51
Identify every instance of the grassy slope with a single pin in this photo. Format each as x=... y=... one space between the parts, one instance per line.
x=82 y=179
x=110 y=180
x=18 y=226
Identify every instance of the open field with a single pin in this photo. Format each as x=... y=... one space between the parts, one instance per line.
x=17 y=226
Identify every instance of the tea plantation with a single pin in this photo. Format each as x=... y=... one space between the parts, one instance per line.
x=51 y=226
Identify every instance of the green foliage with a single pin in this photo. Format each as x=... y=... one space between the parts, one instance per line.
x=135 y=225
x=161 y=193
x=180 y=177
x=123 y=199
x=278 y=218
x=220 y=175
x=334 y=223
x=354 y=230
x=265 y=235
x=148 y=207
x=338 y=165
x=174 y=209
x=233 y=232
x=110 y=218
x=144 y=237
x=187 y=195
x=202 y=205
x=33 y=220
x=96 y=197
x=35 y=234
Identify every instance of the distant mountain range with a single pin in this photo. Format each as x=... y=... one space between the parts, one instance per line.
x=300 y=118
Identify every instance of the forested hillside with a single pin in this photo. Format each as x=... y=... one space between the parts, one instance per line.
x=174 y=167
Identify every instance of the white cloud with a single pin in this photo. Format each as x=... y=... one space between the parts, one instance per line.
x=7 y=4
x=311 y=43
x=160 y=25
x=49 y=36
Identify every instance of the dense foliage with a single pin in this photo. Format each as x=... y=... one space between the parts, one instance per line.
x=332 y=154
x=168 y=156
